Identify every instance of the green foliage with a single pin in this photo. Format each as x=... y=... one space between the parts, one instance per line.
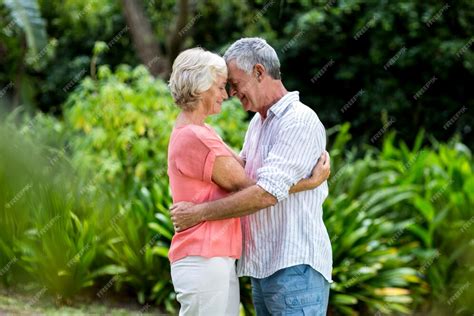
x=50 y=226
x=96 y=214
x=26 y=14
x=399 y=221
x=389 y=50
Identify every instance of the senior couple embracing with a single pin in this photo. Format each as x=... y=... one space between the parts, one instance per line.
x=262 y=207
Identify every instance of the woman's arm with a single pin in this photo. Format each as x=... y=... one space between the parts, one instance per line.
x=229 y=174
x=236 y=156
x=320 y=173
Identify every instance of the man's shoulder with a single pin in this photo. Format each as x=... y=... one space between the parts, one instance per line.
x=300 y=113
x=256 y=118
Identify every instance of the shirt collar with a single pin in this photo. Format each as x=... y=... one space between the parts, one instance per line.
x=280 y=106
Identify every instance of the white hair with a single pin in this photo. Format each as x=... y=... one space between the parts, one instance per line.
x=247 y=52
x=195 y=70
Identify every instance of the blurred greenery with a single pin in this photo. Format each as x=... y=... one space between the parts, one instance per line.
x=354 y=60
x=84 y=205
x=84 y=131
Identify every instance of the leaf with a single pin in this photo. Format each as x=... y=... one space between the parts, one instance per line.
x=27 y=15
x=422 y=233
x=109 y=270
x=425 y=207
x=161 y=251
x=391 y=291
x=160 y=230
x=343 y=299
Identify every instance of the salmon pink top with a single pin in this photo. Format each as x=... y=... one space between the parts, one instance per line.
x=191 y=154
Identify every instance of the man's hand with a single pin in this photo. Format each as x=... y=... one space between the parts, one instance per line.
x=322 y=170
x=184 y=215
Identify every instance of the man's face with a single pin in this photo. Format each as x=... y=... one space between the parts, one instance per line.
x=245 y=87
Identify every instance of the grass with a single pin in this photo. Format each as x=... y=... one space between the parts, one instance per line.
x=19 y=303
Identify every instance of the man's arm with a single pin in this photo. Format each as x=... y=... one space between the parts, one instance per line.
x=230 y=175
x=242 y=203
x=249 y=200
x=257 y=197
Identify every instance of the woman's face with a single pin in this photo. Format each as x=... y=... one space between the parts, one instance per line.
x=212 y=98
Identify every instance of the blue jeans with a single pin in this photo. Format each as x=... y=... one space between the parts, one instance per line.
x=297 y=290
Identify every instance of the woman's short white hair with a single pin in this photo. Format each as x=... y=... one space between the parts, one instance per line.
x=247 y=52
x=195 y=70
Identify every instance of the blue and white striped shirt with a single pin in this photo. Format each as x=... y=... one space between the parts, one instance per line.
x=279 y=151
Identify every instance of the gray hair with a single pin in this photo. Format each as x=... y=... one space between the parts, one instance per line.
x=195 y=70
x=247 y=52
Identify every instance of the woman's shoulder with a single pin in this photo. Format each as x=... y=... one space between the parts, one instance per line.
x=192 y=130
x=193 y=133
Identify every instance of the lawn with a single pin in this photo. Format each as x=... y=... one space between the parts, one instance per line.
x=24 y=303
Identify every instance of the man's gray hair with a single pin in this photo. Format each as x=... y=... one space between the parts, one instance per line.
x=247 y=52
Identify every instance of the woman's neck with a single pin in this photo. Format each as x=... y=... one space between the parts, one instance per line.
x=194 y=117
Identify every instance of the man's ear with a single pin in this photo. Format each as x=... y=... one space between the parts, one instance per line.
x=259 y=71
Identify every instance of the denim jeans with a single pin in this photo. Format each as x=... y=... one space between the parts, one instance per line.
x=297 y=290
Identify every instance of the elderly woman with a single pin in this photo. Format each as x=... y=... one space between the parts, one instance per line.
x=202 y=168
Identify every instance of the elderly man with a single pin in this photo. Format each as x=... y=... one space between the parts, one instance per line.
x=286 y=247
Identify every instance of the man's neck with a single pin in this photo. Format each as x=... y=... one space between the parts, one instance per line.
x=276 y=91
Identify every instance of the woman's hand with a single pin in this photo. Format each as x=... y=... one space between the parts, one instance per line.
x=321 y=171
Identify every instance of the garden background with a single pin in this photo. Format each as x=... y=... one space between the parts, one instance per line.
x=85 y=116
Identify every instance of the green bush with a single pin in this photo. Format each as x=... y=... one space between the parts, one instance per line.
x=49 y=227
x=96 y=212
x=400 y=223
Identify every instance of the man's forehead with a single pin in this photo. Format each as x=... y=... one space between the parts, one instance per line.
x=233 y=71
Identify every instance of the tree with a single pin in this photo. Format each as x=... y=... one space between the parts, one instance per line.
x=145 y=41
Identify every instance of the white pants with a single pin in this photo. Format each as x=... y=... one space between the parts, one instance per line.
x=206 y=286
